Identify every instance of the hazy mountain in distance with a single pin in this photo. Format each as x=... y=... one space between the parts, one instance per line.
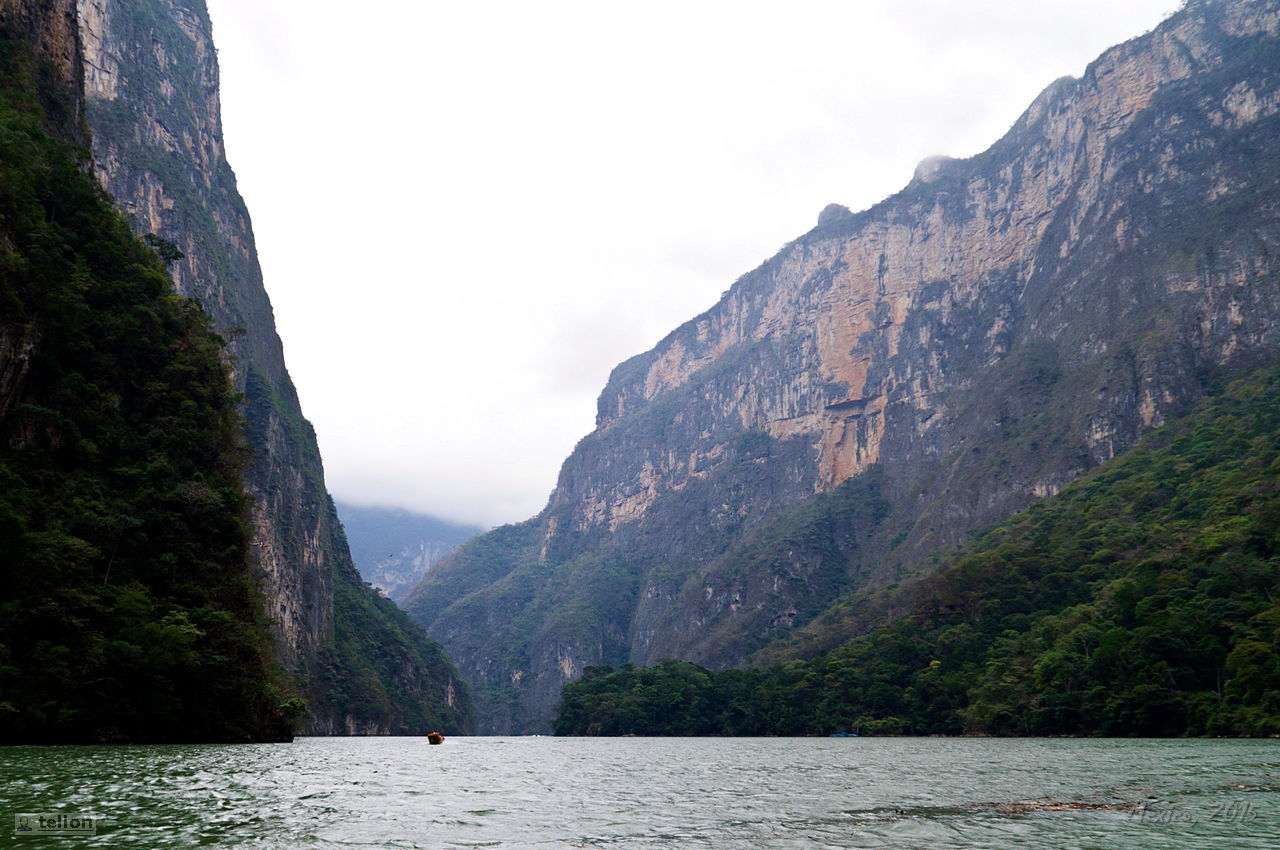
x=393 y=547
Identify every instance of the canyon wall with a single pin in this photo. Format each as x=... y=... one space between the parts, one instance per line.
x=896 y=378
x=152 y=103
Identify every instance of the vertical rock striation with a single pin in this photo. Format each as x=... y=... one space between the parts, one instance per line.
x=151 y=82
x=898 y=377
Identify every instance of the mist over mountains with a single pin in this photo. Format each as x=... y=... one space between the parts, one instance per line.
x=393 y=547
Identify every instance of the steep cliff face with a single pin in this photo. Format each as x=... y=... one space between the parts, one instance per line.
x=151 y=79
x=127 y=610
x=897 y=377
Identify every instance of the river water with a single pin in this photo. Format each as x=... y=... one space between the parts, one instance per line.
x=1021 y=794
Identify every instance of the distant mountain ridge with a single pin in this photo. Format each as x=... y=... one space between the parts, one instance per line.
x=393 y=547
x=933 y=364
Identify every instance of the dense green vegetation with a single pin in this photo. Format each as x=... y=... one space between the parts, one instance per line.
x=1142 y=600
x=382 y=668
x=127 y=611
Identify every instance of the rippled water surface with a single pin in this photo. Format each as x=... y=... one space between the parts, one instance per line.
x=666 y=792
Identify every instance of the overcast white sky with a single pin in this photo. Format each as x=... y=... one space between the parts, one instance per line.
x=469 y=212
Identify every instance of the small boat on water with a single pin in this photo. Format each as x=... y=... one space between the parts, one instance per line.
x=435 y=738
x=844 y=734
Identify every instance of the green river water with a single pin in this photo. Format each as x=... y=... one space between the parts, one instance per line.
x=535 y=792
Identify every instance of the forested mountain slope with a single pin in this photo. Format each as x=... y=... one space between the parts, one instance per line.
x=162 y=577
x=1142 y=600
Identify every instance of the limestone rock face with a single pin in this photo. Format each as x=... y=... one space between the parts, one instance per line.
x=895 y=378
x=152 y=101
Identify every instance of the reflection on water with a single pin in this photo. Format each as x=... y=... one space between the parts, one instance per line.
x=666 y=792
